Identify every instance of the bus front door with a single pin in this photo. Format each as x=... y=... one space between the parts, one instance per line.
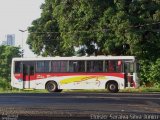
x=28 y=75
x=128 y=70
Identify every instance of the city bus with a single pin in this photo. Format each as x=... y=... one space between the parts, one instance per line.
x=57 y=73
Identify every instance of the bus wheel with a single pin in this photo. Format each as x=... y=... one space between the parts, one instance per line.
x=51 y=87
x=112 y=87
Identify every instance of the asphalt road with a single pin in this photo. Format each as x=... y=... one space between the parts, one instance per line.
x=70 y=106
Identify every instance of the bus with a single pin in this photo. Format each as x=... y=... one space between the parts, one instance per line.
x=57 y=73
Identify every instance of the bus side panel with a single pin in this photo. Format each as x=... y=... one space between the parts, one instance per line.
x=92 y=81
x=88 y=82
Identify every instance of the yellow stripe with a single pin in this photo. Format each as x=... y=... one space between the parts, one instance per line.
x=81 y=78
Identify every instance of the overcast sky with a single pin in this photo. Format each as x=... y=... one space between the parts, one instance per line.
x=18 y=14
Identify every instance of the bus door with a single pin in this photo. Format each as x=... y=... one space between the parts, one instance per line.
x=129 y=70
x=28 y=74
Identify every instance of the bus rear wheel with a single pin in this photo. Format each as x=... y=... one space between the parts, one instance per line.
x=52 y=87
x=112 y=87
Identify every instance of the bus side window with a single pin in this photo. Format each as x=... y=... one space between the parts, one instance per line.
x=81 y=66
x=111 y=66
x=42 y=66
x=46 y=66
x=98 y=66
x=17 y=67
x=39 y=66
x=95 y=66
x=129 y=67
x=64 y=65
x=89 y=66
x=106 y=66
x=119 y=65
x=131 y=70
x=56 y=66
x=77 y=66
x=73 y=66
x=114 y=66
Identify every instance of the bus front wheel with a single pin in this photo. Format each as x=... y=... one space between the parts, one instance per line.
x=51 y=86
x=112 y=87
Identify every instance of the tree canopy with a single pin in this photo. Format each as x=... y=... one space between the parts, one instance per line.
x=99 y=27
x=6 y=55
x=108 y=27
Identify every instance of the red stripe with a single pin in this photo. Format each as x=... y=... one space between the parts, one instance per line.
x=46 y=75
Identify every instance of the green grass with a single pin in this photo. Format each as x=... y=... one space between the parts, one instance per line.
x=141 y=90
x=22 y=91
x=128 y=90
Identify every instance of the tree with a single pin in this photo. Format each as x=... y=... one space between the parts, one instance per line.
x=6 y=55
x=96 y=27
x=99 y=27
x=45 y=38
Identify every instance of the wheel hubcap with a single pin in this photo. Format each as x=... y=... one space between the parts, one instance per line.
x=112 y=87
x=51 y=87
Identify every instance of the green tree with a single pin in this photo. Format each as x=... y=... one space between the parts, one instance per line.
x=45 y=38
x=6 y=55
x=154 y=75
x=99 y=27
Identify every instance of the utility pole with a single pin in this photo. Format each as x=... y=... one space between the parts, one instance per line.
x=22 y=50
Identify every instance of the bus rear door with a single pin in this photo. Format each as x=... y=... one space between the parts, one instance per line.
x=129 y=70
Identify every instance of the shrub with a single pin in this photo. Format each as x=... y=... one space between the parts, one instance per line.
x=149 y=73
x=4 y=84
x=154 y=75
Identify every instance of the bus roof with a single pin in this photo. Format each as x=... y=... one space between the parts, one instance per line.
x=77 y=58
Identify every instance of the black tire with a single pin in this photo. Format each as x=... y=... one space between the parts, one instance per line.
x=52 y=87
x=112 y=87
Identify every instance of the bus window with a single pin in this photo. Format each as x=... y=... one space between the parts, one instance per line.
x=119 y=65
x=64 y=66
x=42 y=66
x=81 y=67
x=113 y=66
x=77 y=66
x=59 y=66
x=56 y=66
x=17 y=67
x=95 y=66
x=73 y=66
x=129 y=67
x=106 y=66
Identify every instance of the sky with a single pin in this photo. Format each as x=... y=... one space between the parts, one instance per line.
x=18 y=15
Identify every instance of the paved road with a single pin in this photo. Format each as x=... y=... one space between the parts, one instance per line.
x=80 y=106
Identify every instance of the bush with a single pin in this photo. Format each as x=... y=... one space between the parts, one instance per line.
x=149 y=73
x=154 y=75
x=144 y=72
x=4 y=84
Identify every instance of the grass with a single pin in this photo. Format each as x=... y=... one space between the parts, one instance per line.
x=128 y=90
x=22 y=91
x=141 y=90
